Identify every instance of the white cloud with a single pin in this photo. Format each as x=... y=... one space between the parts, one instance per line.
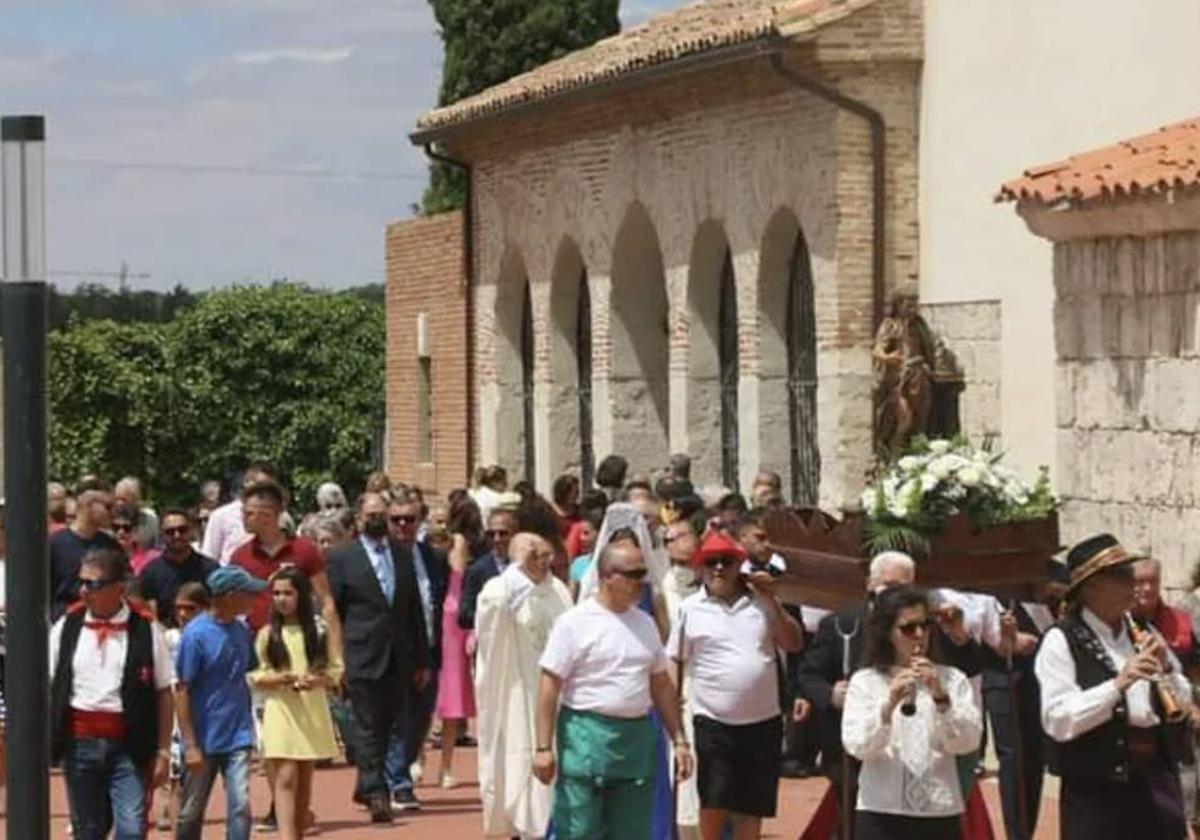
x=298 y=55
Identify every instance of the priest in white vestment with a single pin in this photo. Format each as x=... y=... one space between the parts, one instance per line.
x=512 y=621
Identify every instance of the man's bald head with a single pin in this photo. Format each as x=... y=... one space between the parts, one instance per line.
x=532 y=554
x=624 y=554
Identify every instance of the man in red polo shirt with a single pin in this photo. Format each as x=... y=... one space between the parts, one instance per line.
x=269 y=550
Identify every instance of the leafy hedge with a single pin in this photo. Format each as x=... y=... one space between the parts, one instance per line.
x=284 y=372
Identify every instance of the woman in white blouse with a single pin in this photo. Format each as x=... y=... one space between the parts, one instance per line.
x=905 y=719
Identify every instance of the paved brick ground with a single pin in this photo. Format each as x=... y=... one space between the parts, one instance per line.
x=454 y=814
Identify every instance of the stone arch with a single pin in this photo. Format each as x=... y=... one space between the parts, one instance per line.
x=712 y=419
x=570 y=430
x=788 y=427
x=514 y=359
x=638 y=373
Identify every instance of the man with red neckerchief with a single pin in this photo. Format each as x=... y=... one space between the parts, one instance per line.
x=110 y=703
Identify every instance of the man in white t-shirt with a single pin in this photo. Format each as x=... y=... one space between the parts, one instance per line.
x=728 y=635
x=606 y=663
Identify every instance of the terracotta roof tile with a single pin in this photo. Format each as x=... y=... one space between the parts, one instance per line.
x=1151 y=163
x=690 y=30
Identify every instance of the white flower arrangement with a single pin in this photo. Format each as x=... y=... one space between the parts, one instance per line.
x=937 y=479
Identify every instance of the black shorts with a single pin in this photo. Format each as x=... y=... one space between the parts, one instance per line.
x=738 y=766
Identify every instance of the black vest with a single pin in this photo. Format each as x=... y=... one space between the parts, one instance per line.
x=1100 y=754
x=139 y=697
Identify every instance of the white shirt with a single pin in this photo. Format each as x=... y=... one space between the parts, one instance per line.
x=981 y=614
x=1069 y=711
x=225 y=532
x=730 y=657
x=909 y=765
x=98 y=670
x=605 y=659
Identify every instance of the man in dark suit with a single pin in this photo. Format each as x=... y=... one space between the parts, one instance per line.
x=501 y=526
x=432 y=572
x=1013 y=704
x=378 y=601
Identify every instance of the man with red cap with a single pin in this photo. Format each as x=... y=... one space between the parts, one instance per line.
x=728 y=637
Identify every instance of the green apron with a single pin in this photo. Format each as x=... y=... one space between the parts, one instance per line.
x=606 y=768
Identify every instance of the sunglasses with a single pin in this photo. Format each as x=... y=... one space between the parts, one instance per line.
x=719 y=562
x=187 y=608
x=179 y=530
x=122 y=527
x=497 y=534
x=95 y=585
x=631 y=574
x=403 y=519
x=910 y=628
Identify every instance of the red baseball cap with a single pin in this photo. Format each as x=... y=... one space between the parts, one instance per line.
x=718 y=544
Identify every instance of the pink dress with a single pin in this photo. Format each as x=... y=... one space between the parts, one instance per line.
x=456 y=696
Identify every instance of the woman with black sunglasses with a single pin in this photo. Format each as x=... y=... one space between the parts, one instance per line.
x=906 y=718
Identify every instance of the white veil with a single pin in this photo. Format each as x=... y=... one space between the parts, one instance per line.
x=619 y=516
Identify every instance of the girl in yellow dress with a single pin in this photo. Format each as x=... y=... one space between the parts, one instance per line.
x=295 y=671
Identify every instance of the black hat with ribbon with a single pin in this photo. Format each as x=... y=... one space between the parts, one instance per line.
x=1095 y=555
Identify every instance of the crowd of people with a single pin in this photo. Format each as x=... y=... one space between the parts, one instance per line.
x=622 y=652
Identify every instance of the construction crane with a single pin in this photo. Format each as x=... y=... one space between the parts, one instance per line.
x=122 y=276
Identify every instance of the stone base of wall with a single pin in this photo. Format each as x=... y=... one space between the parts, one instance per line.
x=971 y=329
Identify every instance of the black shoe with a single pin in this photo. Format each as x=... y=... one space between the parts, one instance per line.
x=795 y=769
x=465 y=740
x=405 y=800
x=381 y=811
x=268 y=824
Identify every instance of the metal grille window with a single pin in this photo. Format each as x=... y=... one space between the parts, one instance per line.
x=727 y=357
x=801 y=330
x=583 y=370
x=527 y=382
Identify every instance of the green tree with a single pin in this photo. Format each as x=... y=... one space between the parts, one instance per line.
x=489 y=41
x=104 y=385
x=284 y=373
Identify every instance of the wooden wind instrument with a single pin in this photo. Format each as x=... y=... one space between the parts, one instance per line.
x=1173 y=711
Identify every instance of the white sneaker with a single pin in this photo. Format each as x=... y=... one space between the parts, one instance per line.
x=448 y=782
x=416 y=770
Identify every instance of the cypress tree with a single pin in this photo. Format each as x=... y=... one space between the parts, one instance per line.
x=489 y=41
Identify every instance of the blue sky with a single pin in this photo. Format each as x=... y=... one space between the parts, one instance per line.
x=320 y=86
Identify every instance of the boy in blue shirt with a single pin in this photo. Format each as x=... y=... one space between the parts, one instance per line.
x=212 y=704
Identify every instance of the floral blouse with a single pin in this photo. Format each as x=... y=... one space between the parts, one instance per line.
x=908 y=763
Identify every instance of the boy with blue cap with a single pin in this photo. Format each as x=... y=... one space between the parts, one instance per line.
x=212 y=703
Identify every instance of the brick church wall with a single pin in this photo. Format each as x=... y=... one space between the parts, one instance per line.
x=425 y=275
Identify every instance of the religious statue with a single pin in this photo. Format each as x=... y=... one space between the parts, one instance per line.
x=918 y=378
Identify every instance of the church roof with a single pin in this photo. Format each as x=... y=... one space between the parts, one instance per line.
x=1152 y=163
x=692 y=30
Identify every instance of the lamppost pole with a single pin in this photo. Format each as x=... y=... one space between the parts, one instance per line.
x=27 y=580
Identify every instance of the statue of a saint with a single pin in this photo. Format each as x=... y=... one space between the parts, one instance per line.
x=904 y=354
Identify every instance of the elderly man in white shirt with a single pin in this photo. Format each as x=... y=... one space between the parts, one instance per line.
x=110 y=703
x=226 y=529
x=1104 y=700
x=729 y=636
x=606 y=663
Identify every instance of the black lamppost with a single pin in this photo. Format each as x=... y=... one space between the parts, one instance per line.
x=27 y=578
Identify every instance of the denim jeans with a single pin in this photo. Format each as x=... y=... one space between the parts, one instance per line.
x=408 y=734
x=197 y=785
x=105 y=790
